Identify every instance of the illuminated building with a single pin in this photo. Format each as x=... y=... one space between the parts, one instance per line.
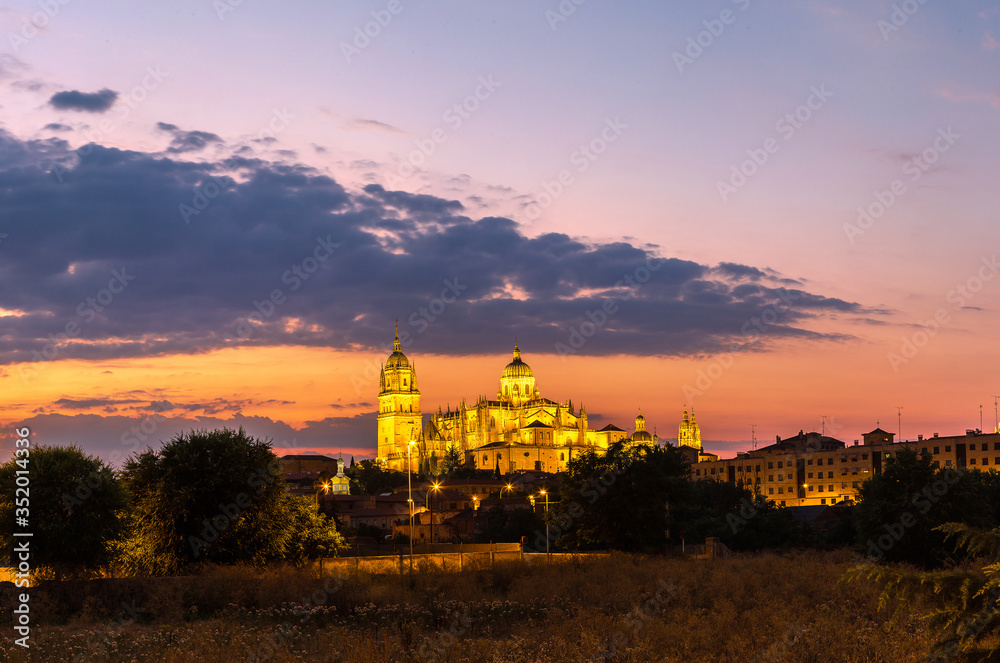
x=519 y=430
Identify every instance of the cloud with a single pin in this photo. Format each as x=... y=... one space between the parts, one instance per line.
x=373 y=125
x=345 y=264
x=90 y=102
x=187 y=141
x=55 y=126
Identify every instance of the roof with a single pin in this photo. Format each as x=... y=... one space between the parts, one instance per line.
x=612 y=427
x=879 y=431
x=308 y=457
x=537 y=424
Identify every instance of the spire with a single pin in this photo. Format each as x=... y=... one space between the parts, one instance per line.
x=517 y=350
x=395 y=344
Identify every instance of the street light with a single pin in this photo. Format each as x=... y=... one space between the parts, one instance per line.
x=509 y=488
x=543 y=492
x=435 y=487
x=409 y=492
x=325 y=487
x=475 y=503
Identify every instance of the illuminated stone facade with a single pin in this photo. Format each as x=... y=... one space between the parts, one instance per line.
x=813 y=469
x=519 y=430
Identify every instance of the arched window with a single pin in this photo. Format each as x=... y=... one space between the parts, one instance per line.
x=562 y=456
x=486 y=458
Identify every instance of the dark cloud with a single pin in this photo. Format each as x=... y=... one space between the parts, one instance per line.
x=197 y=250
x=55 y=126
x=90 y=102
x=187 y=141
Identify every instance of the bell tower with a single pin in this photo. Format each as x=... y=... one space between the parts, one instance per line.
x=398 y=409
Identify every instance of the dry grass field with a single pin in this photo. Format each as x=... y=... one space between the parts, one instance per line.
x=608 y=608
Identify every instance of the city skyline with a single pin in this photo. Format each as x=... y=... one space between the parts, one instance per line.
x=781 y=215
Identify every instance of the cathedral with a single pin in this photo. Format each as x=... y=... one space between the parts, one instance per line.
x=517 y=431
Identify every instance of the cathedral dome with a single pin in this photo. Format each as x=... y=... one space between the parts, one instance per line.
x=397 y=359
x=517 y=368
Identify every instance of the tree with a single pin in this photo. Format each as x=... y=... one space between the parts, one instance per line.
x=453 y=460
x=964 y=610
x=76 y=514
x=207 y=496
x=618 y=499
x=503 y=526
x=311 y=534
x=369 y=478
x=898 y=510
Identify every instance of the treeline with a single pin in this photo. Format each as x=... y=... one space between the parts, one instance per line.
x=204 y=497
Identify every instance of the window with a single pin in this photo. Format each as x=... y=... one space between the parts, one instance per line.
x=770 y=477
x=986 y=461
x=779 y=464
x=996 y=446
x=823 y=501
x=829 y=475
x=947 y=463
x=809 y=462
x=829 y=461
x=947 y=450
x=782 y=502
x=854 y=484
x=923 y=450
x=972 y=461
x=770 y=466
x=562 y=456
x=937 y=450
x=809 y=476
x=486 y=458
x=843 y=459
x=829 y=488
x=821 y=488
x=697 y=473
x=864 y=456
x=758 y=468
x=781 y=477
x=770 y=491
x=812 y=488
x=780 y=490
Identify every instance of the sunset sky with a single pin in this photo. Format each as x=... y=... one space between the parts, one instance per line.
x=774 y=212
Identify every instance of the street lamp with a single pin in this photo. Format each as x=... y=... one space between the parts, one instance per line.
x=435 y=487
x=543 y=492
x=509 y=488
x=475 y=503
x=409 y=492
x=326 y=488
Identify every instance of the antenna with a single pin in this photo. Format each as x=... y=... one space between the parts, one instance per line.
x=899 y=419
x=980 y=418
x=996 y=416
x=823 y=419
x=753 y=436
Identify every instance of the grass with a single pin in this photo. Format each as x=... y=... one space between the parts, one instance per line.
x=608 y=608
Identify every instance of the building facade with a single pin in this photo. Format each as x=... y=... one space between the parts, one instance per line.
x=519 y=430
x=813 y=469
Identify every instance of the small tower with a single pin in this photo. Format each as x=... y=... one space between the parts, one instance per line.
x=398 y=408
x=517 y=382
x=340 y=484
x=641 y=435
x=688 y=433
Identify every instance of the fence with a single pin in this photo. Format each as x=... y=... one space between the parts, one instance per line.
x=439 y=562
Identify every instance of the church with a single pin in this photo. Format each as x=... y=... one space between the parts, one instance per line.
x=518 y=431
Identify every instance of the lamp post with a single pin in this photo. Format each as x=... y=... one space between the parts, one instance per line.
x=434 y=487
x=326 y=488
x=545 y=492
x=509 y=488
x=409 y=492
